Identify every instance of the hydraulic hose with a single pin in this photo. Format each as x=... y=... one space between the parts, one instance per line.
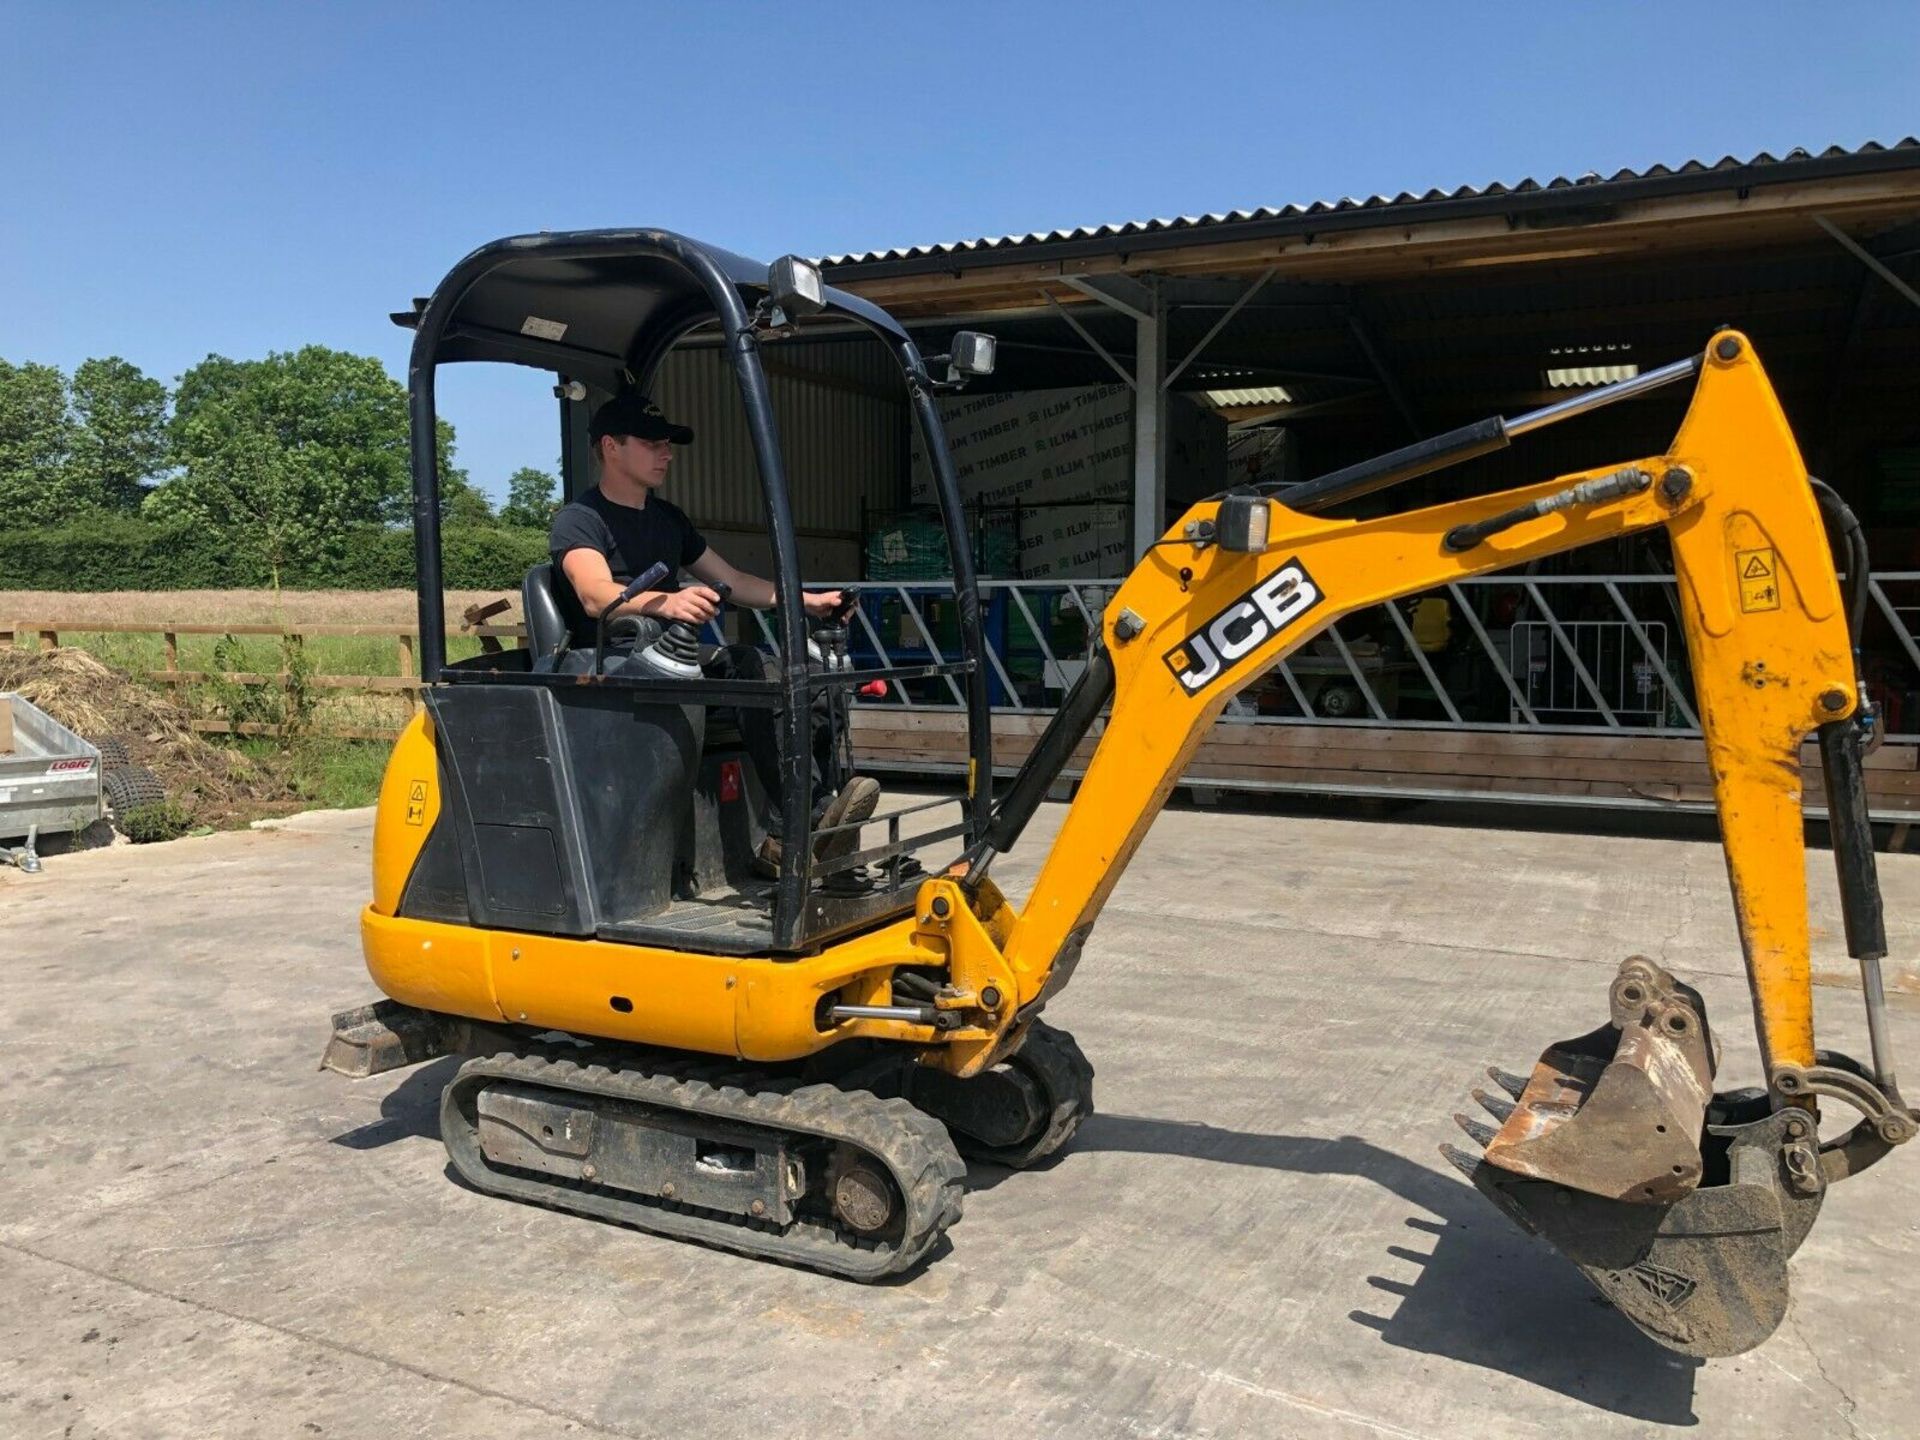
x=1840 y=518
x=1842 y=748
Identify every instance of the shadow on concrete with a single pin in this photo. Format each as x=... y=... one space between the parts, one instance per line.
x=1481 y=1291
x=411 y=1110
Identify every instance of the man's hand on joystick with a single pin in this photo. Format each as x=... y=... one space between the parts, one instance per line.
x=823 y=604
x=694 y=605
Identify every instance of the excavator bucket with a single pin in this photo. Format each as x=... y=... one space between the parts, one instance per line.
x=1682 y=1207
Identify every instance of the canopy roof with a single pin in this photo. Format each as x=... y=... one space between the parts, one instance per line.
x=598 y=304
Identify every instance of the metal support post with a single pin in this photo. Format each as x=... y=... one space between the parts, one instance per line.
x=1149 y=424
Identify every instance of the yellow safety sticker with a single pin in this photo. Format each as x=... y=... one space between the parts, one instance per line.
x=417 y=803
x=1759 y=572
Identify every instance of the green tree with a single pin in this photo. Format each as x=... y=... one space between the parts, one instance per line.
x=530 y=499
x=461 y=504
x=119 y=433
x=327 y=410
x=242 y=485
x=36 y=442
x=284 y=456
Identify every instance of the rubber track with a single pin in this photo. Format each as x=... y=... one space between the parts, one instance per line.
x=913 y=1146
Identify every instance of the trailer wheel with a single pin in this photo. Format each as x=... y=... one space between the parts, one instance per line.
x=1339 y=702
x=130 y=787
x=114 y=754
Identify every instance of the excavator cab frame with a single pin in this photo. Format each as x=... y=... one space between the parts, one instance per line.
x=601 y=310
x=812 y=1102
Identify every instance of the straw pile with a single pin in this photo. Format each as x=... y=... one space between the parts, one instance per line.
x=214 y=785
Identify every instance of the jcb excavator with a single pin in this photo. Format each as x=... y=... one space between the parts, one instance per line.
x=794 y=1068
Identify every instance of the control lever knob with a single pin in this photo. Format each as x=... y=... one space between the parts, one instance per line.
x=676 y=654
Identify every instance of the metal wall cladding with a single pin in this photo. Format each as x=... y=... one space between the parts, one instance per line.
x=843 y=417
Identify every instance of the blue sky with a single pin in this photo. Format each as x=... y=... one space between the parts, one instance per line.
x=182 y=179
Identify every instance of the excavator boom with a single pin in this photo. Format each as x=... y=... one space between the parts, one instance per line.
x=1772 y=660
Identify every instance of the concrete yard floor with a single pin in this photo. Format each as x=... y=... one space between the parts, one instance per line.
x=202 y=1234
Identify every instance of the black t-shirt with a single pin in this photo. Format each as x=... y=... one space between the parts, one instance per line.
x=631 y=539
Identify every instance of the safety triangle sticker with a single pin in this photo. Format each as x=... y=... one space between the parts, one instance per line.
x=1759 y=585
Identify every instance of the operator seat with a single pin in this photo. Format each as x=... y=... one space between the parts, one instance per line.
x=547 y=634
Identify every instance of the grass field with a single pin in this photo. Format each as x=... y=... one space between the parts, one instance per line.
x=328 y=774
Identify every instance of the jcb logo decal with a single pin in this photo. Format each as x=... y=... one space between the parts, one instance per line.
x=1244 y=626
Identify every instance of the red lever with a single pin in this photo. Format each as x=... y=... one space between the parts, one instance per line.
x=873 y=689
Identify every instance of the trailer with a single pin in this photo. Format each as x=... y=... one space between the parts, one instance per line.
x=50 y=782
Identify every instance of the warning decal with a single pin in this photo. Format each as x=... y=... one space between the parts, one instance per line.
x=417 y=803
x=1759 y=572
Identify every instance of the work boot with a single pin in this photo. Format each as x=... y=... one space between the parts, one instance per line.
x=766 y=860
x=855 y=804
x=852 y=807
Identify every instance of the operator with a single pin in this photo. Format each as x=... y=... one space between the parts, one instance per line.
x=623 y=525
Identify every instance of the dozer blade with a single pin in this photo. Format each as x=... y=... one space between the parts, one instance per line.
x=1680 y=1206
x=1617 y=1112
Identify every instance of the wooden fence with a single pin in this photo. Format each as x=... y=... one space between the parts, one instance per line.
x=45 y=635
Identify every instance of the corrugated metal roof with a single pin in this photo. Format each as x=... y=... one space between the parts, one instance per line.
x=1762 y=169
x=841 y=410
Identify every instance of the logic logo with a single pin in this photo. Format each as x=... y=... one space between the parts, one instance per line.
x=1243 y=626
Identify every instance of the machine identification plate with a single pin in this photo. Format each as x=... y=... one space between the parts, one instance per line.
x=1759 y=572
x=1245 y=625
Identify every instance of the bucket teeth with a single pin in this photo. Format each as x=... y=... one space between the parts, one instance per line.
x=1514 y=1085
x=1495 y=1105
x=1460 y=1160
x=1483 y=1134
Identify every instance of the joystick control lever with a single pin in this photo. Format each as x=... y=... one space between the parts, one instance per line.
x=676 y=654
x=645 y=580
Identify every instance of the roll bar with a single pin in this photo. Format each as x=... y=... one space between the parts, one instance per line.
x=718 y=278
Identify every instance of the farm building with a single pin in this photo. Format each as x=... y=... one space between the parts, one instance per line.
x=1144 y=364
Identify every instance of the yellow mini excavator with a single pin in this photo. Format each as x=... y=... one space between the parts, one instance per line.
x=794 y=1067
